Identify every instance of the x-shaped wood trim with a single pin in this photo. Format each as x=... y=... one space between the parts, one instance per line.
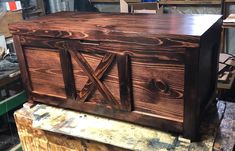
x=99 y=71
x=95 y=77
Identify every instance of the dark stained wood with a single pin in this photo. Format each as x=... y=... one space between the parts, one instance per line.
x=201 y=80
x=152 y=70
x=158 y=89
x=114 y=26
x=211 y=69
x=99 y=72
x=66 y=65
x=191 y=104
x=110 y=80
x=45 y=71
x=172 y=54
x=124 y=71
x=92 y=76
x=23 y=65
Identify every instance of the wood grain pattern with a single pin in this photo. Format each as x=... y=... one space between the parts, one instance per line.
x=104 y=64
x=125 y=84
x=87 y=69
x=45 y=71
x=114 y=27
x=155 y=52
x=153 y=70
x=66 y=65
x=36 y=139
x=23 y=65
x=110 y=80
x=159 y=89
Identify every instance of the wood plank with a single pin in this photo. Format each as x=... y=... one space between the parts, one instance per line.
x=110 y=79
x=201 y=65
x=99 y=72
x=45 y=71
x=158 y=89
x=130 y=26
x=23 y=64
x=36 y=139
x=174 y=54
x=125 y=85
x=66 y=66
x=90 y=73
x=191 y=107
x=209 y=87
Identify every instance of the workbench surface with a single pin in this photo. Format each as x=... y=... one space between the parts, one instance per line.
x=52 y=122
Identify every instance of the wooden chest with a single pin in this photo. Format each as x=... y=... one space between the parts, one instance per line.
x=153 y=70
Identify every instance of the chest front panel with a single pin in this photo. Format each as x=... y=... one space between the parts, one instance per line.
x=121 y=82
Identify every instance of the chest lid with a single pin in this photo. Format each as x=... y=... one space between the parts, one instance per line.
x=115 y=27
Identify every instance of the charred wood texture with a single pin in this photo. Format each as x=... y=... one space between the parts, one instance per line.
x=153 y=70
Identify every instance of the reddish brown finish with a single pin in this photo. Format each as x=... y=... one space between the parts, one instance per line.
x=159 y=89
x=103 y=66
x=45 y=71
x=111 y=27
x=153 y=70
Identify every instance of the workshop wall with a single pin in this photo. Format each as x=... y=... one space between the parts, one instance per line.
x=107 y=7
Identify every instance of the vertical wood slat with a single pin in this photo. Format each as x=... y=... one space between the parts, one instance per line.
x=67 y=70
x=22 y=64
x=191 y=100
x=124 y=67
